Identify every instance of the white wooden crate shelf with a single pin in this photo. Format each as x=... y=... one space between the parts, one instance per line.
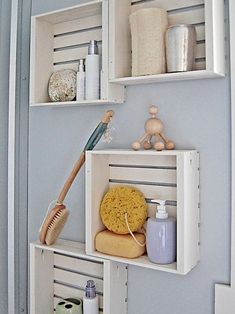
x=59 y=39
x=60 y=271
x=206 y=15
x=168 y=175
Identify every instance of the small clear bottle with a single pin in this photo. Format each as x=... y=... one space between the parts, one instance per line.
x=161 y=236
x=80 y=94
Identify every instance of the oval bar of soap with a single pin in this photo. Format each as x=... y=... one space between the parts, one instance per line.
x=122 y=245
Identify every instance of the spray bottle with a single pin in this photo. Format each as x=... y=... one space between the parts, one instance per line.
x=161 y=236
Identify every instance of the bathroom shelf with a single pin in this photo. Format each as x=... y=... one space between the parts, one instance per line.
x=206 y=15
x=73 y=103
x=168 y=175
x=61 y=270
x=168 y=77
x=59 y=39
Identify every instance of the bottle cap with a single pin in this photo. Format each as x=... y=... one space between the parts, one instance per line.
x=90 y=290
x=161 y=209
x=93 y=48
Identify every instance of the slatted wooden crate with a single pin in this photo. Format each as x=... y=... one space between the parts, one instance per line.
x=206 y=15
x=61 y=271
x=59 y=39
x=167 y=175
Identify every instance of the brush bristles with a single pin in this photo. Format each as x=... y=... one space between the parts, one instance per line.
x=56 y=226
x=58 y=215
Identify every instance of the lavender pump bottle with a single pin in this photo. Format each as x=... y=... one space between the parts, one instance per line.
x=161 y=236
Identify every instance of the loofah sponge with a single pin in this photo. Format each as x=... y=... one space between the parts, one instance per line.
x=116 y=203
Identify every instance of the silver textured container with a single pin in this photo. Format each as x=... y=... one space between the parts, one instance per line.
x=180 y=48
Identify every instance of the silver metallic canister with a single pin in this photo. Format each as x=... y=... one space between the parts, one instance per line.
x=180 y=48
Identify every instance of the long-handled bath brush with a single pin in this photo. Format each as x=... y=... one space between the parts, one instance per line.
x=55 y=220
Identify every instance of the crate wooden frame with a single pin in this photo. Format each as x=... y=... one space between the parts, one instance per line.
x=178 y=181
x=58 y=39
x=61 y=270
x=207 y=15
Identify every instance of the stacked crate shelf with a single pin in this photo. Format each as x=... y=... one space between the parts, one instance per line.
x=166 y=175
x=59 y=39
x=206 y=15
x=61 y=271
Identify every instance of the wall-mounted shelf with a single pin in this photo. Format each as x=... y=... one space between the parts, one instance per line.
x=167 y=77
x=206 y=15
x=59 y=39
x=73 y=103
x=169 y=175
x=61 y=270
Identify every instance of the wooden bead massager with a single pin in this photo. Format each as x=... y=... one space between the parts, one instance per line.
x=153 y=128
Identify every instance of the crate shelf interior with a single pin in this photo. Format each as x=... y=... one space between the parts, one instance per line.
x=60 y=271
x=206 y=15
x=167 y=175
x=59 y=39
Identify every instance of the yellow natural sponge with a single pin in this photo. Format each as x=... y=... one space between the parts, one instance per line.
x=116 y=203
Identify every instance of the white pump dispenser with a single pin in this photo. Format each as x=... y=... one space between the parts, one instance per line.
x=161 y=236
x=161 y=209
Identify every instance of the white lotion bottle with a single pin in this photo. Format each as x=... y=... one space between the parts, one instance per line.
x=90 y=299
x=93 y=72
x=80 y=94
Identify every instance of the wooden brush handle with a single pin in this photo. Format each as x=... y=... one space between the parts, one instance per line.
x=105 y=119
x=71 y=178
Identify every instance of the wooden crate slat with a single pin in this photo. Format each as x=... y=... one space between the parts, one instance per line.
x=73 y=13
x=201 y=34
x=69 y=292
x=187 y=17
x=152 y=161
x=145 y=175
x=78 y=24
x=72 y=54
x=79 y=265
x=200 y=51
x=66 y=66
x=77 y=39
x=199 y=65
x=70 y=278
x=167 y=5
x=153 y=192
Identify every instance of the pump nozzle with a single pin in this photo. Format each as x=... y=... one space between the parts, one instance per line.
x=161 y=209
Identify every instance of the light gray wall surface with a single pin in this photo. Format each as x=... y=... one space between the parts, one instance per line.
x=5 y=7
x=196 y=116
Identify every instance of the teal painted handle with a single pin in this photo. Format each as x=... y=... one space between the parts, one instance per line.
x=95 y=136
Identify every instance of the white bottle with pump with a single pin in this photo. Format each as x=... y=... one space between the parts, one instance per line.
x=90 y=300
x=161 y=236
x=93 y=72
x=80 y=94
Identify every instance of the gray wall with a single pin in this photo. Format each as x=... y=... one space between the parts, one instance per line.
x=196 y=115
x=4 y=66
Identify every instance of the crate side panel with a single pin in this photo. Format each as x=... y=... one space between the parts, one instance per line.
x=41 y=281
x=97 y=183
x=115 y=288
x=180 y=212
x=191 y=214
x=41 y=59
